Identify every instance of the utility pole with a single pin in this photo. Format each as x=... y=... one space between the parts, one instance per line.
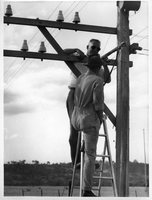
x=122 y=118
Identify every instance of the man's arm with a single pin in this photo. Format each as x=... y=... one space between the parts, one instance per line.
x=98 y=99
x=107 y=76
x=100 y=115
x=75 y=51
x=70 y=51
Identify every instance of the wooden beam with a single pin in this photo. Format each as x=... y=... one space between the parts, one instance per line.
x=42 y=56
x=60 y=25
x=49 y=56
x=110 y=115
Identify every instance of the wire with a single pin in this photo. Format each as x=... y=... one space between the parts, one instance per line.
x=143 y=54
x=13 y=74
x=142 y=39
x=70 y=13
x=58 y=32
x=145 y=49
x=139 y=32
x=106 y=43
x=34 y=36
x=20 y=68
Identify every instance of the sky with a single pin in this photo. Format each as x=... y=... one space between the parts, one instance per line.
x=36 y=124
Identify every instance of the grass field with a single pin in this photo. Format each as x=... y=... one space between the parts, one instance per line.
x=63 y=191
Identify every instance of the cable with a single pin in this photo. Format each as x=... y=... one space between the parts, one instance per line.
x=36 y=33
x=14 y=73
x=20 y=68
x=58 y=32
x=106 y=43
x=141 y=39
x=145 y=49
x=143 y=54
x=70 y=13
x=139 y=32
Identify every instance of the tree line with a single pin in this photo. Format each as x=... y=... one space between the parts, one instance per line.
x=59 y=174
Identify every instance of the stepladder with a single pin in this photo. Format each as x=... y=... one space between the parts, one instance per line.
x=105 y=174
x=105 y=164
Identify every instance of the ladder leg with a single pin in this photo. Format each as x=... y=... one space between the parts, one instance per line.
x=75 y=163
x=110 y=158
x=101 y=168
x=82 y=163
x=106 y=154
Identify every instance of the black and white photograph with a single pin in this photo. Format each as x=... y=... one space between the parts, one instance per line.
x=75 y=99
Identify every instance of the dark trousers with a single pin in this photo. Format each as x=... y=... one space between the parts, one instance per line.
x=73 y=139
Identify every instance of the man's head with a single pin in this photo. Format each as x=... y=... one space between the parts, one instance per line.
x=94 y=62
x=93 y=47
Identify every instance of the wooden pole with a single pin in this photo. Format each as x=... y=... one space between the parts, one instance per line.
x=122 y=118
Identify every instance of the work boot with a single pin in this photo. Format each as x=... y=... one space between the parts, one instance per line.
x=97 y=165
x=88 y=193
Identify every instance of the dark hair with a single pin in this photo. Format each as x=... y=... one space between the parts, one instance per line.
x=94 y=62
x=95 y=40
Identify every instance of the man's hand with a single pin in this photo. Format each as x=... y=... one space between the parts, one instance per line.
x=79 y=53
x=75 y=52
x=104 y=61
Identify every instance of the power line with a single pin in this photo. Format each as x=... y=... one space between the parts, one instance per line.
x=139 y=32
x=14 y=73
x=145 y=49
x=70 y=13
x=34 y=35
x=59 y=32
x=106 y=43
x=143 y=54
x=21 y=68
x=142 y=39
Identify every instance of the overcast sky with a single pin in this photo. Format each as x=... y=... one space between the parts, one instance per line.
x=36 y=125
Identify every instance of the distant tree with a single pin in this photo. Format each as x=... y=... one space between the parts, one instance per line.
x=35 y=162
x=48 y=162
x=13 y=162
x=22 y=162
x=135 y=161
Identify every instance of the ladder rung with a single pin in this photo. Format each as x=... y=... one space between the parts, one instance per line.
x=103 y=177
x=102 y=135
x=99 y=171
x=103 y=156
x=95 y=188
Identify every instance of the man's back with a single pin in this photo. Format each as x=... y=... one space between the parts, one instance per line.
x=88 y=87
x=88 y=99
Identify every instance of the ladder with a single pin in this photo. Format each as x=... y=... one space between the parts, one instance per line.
x=106 y=154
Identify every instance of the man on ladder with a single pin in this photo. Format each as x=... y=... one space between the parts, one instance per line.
x=87 y=116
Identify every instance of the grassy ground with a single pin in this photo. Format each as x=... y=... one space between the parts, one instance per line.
x=63 y=191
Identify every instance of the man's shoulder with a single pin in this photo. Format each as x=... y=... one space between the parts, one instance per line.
x=98 y=79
